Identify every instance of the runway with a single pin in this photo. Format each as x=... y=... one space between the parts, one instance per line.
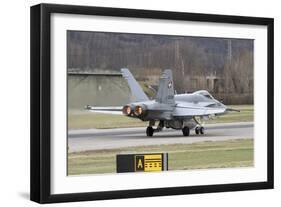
x=97 y=139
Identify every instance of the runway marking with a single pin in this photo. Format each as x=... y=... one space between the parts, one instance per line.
x=120 y=138
x=141 y=130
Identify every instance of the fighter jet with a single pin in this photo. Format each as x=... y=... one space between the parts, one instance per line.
x=170 y=110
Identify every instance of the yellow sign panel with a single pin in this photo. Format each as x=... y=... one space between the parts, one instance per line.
x=148 y=163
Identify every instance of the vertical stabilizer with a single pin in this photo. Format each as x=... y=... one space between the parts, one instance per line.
x=135 y=88
x=165 y=92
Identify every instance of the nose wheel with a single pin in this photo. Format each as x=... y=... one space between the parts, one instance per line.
x=199 y=130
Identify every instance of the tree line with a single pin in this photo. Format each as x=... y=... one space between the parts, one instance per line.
x=229 y=59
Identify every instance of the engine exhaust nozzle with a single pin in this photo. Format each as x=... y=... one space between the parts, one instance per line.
x=127 y=110
x=139 y=110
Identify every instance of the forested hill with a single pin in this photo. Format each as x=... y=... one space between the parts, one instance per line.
x=89 y=51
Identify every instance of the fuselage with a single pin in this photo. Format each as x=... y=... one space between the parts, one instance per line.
x=185 y=107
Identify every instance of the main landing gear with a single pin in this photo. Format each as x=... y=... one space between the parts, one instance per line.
x=150 y=130
x=185 y=130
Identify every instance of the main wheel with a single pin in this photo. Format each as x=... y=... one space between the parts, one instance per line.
x=185 y=131
x=149 y=131
x=202 y=130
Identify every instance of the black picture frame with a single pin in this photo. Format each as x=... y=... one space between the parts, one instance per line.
x=41 y=99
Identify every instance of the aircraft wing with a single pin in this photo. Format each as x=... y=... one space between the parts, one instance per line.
x=105 y=109
x=184 y=110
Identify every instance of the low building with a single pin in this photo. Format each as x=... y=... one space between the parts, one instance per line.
x=96 y=89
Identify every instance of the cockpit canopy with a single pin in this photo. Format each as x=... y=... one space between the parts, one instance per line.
x=204 y=93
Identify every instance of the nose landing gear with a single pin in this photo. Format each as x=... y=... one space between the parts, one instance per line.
x=199 y=130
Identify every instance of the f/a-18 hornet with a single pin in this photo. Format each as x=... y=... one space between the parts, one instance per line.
x=170 y=110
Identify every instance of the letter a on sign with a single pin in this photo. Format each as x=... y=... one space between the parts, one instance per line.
x=139 y=163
